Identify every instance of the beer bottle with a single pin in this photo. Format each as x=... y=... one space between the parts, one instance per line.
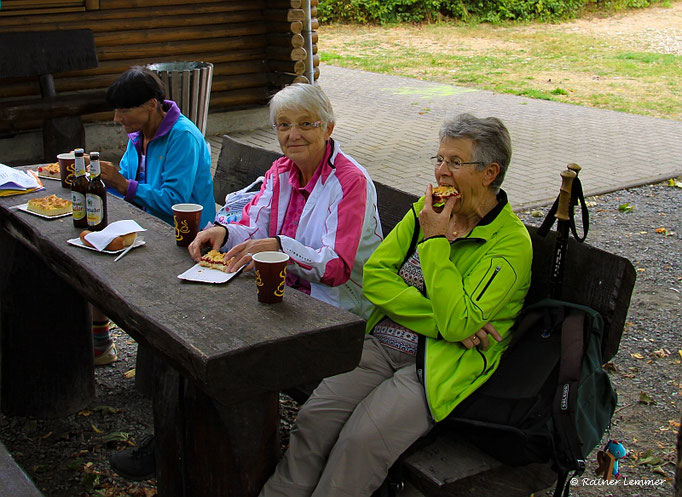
x=96 y=197
x=79 y=188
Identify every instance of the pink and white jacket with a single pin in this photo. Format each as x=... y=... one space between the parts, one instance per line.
x=336 y=229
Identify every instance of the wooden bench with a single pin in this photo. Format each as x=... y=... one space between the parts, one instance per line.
x=41 y=54
x=13 y=480
x=440 y=465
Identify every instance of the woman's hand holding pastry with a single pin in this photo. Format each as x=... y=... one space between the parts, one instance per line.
x=480 y=339
x=213 y=237
x=241 y=254
x=435 y=223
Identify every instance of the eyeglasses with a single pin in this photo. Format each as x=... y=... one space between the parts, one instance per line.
x=455 y=163
x=302 y=126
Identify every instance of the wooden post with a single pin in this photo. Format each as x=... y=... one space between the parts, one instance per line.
x=240 y=437
x=46 y=338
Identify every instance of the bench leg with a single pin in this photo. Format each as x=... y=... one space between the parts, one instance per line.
x=45 y=339
x=208 y=449
x=62 y=134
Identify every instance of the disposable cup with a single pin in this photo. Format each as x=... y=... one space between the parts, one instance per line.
x=271 y=272
x=67 y=168
x=187 y=219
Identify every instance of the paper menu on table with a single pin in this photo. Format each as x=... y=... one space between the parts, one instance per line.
x=14 y=181
x=100 y=239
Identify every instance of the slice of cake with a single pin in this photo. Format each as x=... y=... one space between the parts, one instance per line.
x=215 y=260
x=49 y=206
x=50 y=170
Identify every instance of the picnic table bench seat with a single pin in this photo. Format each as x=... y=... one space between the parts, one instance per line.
x=440 y=464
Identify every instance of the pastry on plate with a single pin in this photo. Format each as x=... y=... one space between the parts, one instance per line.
x=215 y=260
x=49 y=206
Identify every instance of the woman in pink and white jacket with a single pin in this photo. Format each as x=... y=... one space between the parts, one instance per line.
x=317 y=204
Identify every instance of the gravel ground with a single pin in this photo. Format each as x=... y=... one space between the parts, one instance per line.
x=67 y=457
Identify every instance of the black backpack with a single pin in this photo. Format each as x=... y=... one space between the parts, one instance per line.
x=550 y=399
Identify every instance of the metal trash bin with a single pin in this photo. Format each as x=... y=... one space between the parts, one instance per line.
x=188 y=85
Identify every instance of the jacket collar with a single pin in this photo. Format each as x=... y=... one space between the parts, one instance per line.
x=172 y=116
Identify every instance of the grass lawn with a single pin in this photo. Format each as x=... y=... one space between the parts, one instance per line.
x=615 y=67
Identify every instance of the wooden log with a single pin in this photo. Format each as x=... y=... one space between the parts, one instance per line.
x=137 y=23
x=179 y=48
x=289 y=27
x=91 y=19
x=58 y=371
x=283 y=53
x=295 y=68
x=239 y=98
x=290 y=4
x=128 y=38
x=296 y=15
x=92 y=4
x=131 y=4
x=286 y=40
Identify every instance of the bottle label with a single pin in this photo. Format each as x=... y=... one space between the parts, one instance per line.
x=79 y=166
x=78 y=200
x=95 y=209
x=95 y=168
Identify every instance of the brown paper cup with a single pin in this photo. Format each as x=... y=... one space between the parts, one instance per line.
x=187 y=218
x=271 y=272
x=67 y=169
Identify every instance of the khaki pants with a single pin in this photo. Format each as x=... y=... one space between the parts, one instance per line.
x=353 y=428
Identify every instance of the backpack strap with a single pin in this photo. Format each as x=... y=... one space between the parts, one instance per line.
x=415 y=236
x=566 y=398
x=577 y=199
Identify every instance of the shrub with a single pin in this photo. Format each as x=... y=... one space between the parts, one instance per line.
x=391 y=11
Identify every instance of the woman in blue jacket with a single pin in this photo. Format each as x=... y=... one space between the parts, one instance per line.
x=167 y=162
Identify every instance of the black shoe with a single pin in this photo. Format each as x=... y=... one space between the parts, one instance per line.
x=137 y=463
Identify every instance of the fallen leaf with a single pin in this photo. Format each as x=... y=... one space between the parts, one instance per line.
x=129 y=374
x=661 y=353
x=116 y=436
x=537 y=213
x=106 y=409
x=85 y=412
x=645 y=399
x=659 y=470
x=662 y=230
x=637 y=355
x=648 y=459
x=626 y=207
x=609 y=366
x=674 y=182
x=97 y=430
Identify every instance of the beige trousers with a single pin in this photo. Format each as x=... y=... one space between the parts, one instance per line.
x=353 y=428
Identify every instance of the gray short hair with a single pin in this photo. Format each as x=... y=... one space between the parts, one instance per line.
x=302 y=96
x=492 y=142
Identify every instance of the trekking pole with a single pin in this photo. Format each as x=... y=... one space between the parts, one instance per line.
x=563 y=226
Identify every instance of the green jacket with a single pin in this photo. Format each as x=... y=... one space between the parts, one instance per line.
x=474 y=280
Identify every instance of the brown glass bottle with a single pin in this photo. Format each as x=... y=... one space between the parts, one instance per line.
x=96 y=197
x=79 y=190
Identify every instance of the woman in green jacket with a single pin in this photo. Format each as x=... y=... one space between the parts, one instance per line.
x=444 y=279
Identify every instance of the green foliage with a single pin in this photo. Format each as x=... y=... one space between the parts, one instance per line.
x=495 y=11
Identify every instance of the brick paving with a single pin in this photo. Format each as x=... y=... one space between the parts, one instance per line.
x=390 y=125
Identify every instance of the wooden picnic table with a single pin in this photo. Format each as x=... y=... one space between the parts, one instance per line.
x=226 y=356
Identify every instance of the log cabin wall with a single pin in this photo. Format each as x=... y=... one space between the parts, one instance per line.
x=255 y=45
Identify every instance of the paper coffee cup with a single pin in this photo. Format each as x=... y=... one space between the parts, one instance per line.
x=67 y=167
x=271 y=272
x=187 y=219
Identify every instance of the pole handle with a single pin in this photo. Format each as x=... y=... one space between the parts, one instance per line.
x=574 y=167
x=562 y=212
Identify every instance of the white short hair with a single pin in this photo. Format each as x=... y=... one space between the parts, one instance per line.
x=302 y=97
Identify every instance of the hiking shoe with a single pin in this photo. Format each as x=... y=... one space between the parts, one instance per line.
x=106 y=357
x=137 y=463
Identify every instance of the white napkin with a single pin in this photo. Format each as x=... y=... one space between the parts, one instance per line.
x=100 y=239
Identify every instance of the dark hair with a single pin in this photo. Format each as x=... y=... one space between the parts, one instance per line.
x=134 y=87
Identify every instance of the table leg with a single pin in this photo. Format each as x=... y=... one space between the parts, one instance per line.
x=208 y=449
x=45 y=339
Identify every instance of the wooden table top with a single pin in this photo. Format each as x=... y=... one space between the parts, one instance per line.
x=217 y=335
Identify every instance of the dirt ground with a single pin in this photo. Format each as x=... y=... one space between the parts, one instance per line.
x=67 y=457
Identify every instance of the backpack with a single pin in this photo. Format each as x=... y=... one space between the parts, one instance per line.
x=550 y=399
x=235 y=202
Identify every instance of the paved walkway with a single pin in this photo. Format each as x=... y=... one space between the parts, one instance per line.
x=390 y=125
